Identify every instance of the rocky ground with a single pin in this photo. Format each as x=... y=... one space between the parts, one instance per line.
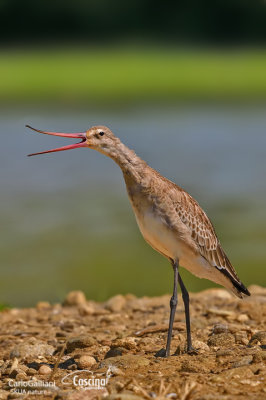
x=88 y=350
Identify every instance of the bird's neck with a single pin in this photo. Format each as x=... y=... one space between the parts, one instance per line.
x=130 y=164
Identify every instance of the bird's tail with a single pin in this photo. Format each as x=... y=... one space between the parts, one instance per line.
x=239 y=289
x=226 y=268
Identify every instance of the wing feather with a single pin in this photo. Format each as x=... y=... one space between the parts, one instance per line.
x=203 y=233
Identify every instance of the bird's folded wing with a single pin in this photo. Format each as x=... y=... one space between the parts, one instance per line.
x=203 y=233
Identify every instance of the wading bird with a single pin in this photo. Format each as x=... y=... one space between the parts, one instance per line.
x=170 y=220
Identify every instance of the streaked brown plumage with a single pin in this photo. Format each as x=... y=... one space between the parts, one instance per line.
x=171 y=221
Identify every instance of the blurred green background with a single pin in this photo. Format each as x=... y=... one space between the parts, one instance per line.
x=184 y=84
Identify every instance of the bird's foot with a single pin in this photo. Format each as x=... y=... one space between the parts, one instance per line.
x=191 y=351
x=188 y=350
x=161 y=353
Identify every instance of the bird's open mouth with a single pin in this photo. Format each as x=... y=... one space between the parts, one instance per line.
x=79 y=135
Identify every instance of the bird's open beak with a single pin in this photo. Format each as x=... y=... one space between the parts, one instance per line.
x=80 y=135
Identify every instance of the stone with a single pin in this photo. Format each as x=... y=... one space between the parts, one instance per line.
x=219 y=328
x=243 y=318
x=201 y=347
x=127 y=361
x=80 y=342
x=21 y=376
x=114 y=352
x=224 y=353
x=43 y=305
x=191 y=365
x=257 y=358
x=258 y=338
x=128 y=343
x=31 y=372
x=116 y=371
x=75 y=298
x=4 y=394
x=45 y=370
x=86 y=362
x=116 y=303
x=257 y=290
x=221 y=340
x=241 y=337
x=221 y=312
x=14 y=372
x=27 y=350
x=14 y=365
x=86 y=309
x=214 y=293
x=242 y=362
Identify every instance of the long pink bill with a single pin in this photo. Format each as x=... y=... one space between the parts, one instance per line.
x=79 y=135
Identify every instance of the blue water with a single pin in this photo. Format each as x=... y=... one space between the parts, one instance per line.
x=218 y=154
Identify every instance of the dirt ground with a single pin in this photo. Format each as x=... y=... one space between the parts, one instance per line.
x=87 y=350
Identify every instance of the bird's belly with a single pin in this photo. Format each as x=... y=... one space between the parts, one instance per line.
x=159 y=235
x=170 y=244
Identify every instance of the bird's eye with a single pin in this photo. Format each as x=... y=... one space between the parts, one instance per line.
x=101 y=133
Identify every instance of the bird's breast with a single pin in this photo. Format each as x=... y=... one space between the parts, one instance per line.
x=157 y=233
x=160 y=226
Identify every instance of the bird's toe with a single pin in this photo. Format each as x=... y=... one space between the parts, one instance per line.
x=192 y=351
x=161 y=353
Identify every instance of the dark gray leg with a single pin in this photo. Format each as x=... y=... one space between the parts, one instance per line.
x=185 y=297
x=173 y=304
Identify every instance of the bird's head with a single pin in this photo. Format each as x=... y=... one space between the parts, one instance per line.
x=99 y=138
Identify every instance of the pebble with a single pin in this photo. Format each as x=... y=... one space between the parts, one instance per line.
x=14 y=365
x=21 y=376
x=67 y=326
x=241 y=337
x=24 y=350
x=80 y=342
x=193 y=366
x=31 y=371
x=72 y=367
x=113 y=352
x=42 y=305
x=14 y=372
x=214 y=293
x=257 y=358
x=219 y=328
x=101 y=351
x=243 y=318
x=242 y=362
x=75 y=298
x=258 y=338
x=257 y=290
x=221 y=340
x=3 y=394
x=45 y=370
x=116 y=371
x=224 y=353
x=201 y=347
x=222 y=313
x=60 y=334
x=86 y=309
x=86 y=362
x=128 y=343
x=116 y=303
